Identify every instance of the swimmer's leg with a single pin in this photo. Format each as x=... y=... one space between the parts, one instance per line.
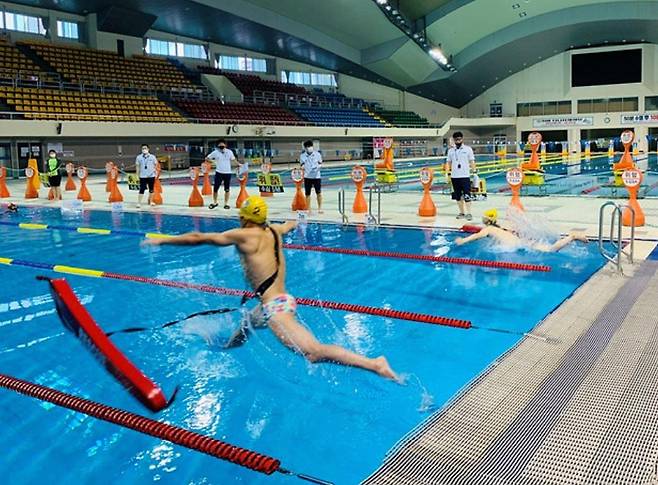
x=292 y=334
x=254 y=319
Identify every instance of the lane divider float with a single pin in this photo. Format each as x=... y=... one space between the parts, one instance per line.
x=302 y=247
x=331 y=305
x=164 y=431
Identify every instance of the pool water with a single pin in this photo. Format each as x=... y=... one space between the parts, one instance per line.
x=325 y=420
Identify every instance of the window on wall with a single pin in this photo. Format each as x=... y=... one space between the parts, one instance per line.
x=543 y=108
x=651 y=103
x=308 y=78
x=23 y=23
x=605 y=105
x=175 y=49
x=241 y=63
x=67 y=30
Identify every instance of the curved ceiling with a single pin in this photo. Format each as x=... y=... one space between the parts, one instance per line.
x=488 y=40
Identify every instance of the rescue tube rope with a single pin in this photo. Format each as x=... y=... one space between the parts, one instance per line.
x=301 y=247
x=180 y=436
x=347 y=307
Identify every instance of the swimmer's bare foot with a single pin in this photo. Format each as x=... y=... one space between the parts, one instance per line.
x=384 y=369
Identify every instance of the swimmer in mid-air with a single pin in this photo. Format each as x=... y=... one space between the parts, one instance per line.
x=11 y=208
x=507 y=237
x=259 y=245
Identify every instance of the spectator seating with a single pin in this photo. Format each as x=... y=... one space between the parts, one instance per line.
x=338 y=117
x=83 y=65
x=14 y=61
x=49 y=104
x=402 y=118
x=248 y=83
x=240 y=113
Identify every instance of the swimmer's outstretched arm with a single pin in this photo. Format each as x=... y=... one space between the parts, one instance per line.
x=286 y=227
x=226 y=238
x=473 y=237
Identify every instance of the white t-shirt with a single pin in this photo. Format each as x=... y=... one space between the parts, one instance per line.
x=311 y=163
x=146 y=165
x=222 y=160
x=460 y=160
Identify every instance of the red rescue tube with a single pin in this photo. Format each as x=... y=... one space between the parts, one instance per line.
x=470 y=228
x=77 y=319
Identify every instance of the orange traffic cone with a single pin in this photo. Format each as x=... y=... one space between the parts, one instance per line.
x=632 y=180
x=30 y=190
x=156 y=198
x=108 y=182
x=83 y=194
x=427 y=207
x=205 y=169
x=4 y=191
x=242 y=195
x=32 y=163
x=515 y=179
x=115 y=193
x=70 y=184
x=195 y=200
x=359 y=176
x=299 y=201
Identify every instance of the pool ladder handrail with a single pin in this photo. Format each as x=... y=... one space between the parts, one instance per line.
x=371 y=217
x=617 y=244
x=341 y=205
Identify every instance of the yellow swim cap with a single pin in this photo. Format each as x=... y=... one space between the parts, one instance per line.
x=491 y=214
x=254 y=209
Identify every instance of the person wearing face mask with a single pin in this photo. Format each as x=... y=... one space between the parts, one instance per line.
x=145 y=164
x=222 y=157
x=311 y=161
x=54 y=178
x=459 y=163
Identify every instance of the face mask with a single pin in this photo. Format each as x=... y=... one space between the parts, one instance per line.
x=145 y=151
x=52 y=155
x=459 y=144
x=309 y=149
x=222 y=148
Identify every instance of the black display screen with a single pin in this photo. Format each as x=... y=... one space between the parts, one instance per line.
x=611 y=67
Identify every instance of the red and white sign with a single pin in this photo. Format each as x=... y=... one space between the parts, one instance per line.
x=534 y=138
x=82 y=173
x=388 y=143
x=514 y=177
x=29 y=172
x=69 y=168
x=631 y=177
x=627 y=137
x=297 y=174
x=358 y=174
x=425 y=176
x=265 y=168
x=193 y=173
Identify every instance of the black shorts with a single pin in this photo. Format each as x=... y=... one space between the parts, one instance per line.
x=312 y=184
x=224 y=178
x=461 y=188
x=55 y=180
x=146 y=182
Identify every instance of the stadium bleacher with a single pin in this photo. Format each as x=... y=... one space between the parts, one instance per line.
x=51 y=104
x=216 y=111
x=83 y=65
x=338 y=117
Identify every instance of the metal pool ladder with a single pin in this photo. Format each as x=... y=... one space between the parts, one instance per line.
x=617 y=241
x=371 y=217
x=341 y=205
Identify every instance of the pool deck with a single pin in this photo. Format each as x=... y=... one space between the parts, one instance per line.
x=574 y=406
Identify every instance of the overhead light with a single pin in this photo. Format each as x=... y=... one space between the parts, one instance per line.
x=436 y=54
x=522 y=14
x=388 y=7
x=394 y=12
x=415 y=36
x=382 y=2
